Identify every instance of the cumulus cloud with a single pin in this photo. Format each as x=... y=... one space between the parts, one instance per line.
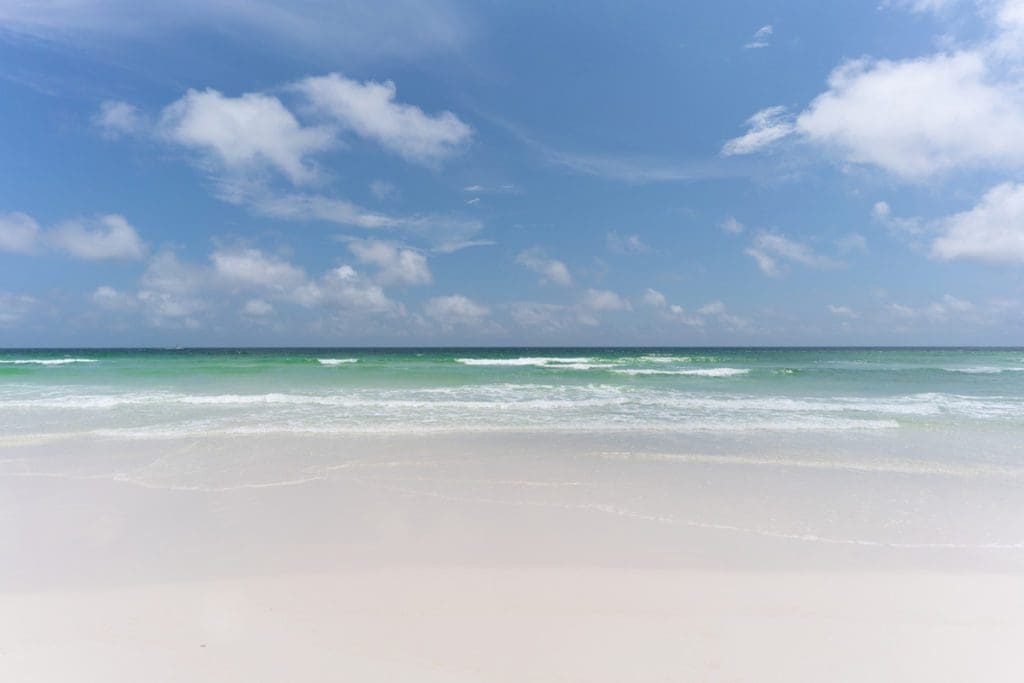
x=882 y=213
x=921 y=117
x=944 y=310
x=676 y=314
x=605 y=300
x=19 y=232
x=456 y=309
x=252 y=268
x=764 y=129
x=653 y=297
x=92 y=239
x=769 y=249
x=396 y=265
x=551 y=269
x=109 y=298
x=176 y=293
x=344 y=287
x=370 y=109
x=118 y=119
x=244 y=134
x=993 y=230
x=107 y=237
x=731 y=226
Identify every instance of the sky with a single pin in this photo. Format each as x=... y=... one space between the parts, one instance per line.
x=225 y=173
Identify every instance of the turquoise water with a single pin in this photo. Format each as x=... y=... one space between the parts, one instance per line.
x=168 y=393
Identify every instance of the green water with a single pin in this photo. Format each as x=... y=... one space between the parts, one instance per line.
x=685 y=390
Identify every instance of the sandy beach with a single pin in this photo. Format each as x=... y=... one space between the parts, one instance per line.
x=443 y=560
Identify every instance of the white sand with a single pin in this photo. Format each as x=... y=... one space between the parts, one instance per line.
x=510 y=570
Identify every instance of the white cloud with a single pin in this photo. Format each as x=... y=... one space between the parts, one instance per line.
x=949 y=308
x=344 y=287
x=19 y=232
x=258 y=308
x=654 y=298
x=551 y=269
x=712 y=308
x=924 y=117
x=920 y=117
x=396 y=265
x=760 y=38
x=370 y=110
x=311 y=207
x=170 y=291
x=304 y=207
x=674 y=313
x=768 y=248
x=539 y=315
x=109 y=298
x=842 y=311
x=605 y=300
x=107 y=237
x=456 y=309
x=118 y=119
x=956 y=304
x=882 y=212
x=717 y=309
x=625 y=244
x=765 y=128
x=731 y=226
x=14 y=307
x=340 y=29
x=922 y=5
x=766 y=263
x=634 y=170
x=244 y=134
x=252 y=268
x=993 y=230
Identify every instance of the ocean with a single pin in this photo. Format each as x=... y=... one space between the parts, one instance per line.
x=149 y=393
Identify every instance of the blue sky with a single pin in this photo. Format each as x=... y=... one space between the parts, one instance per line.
x=407 y=173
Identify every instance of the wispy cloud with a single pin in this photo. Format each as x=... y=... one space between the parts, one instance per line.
x=769 y=249
x=761 y=38
x=391 y=28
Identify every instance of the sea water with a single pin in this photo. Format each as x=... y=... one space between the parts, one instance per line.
x=159 y=393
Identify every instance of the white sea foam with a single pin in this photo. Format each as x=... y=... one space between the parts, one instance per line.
x=336 y=361
x=702 y=372
x=983 y=370
x=540 y=361
x=47 y=361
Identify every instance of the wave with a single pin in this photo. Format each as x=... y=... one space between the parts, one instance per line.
x=703 y=372
x=336 y=361
x=539 y=362
x=46 y=361
x=983 y=370
x=538 y=402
